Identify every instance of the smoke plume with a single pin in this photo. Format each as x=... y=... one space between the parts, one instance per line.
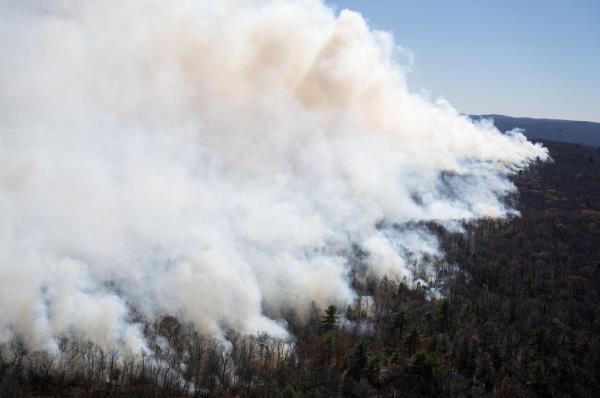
x=218 y=161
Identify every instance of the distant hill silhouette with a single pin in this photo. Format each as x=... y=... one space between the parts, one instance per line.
x=585 y=133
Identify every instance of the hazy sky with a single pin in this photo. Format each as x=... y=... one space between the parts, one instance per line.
x=538 y=58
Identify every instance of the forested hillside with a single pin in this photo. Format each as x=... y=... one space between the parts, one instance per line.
x=520 y=318
x=573 y=131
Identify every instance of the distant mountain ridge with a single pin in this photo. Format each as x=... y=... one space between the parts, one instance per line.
x=578 y=132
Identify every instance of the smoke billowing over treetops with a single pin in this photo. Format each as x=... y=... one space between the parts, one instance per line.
x=218 y=161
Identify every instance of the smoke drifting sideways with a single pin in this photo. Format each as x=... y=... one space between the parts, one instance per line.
x=217 y=161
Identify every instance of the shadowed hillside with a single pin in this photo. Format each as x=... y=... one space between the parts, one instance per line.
x=585 y=133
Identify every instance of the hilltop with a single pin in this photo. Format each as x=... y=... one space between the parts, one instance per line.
x=573 y=131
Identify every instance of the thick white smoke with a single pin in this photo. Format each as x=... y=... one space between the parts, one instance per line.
x=216 y=160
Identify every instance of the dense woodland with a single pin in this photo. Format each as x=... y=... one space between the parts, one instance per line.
x=520 y=318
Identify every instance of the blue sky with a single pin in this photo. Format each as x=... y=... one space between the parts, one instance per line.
x=538 y=58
